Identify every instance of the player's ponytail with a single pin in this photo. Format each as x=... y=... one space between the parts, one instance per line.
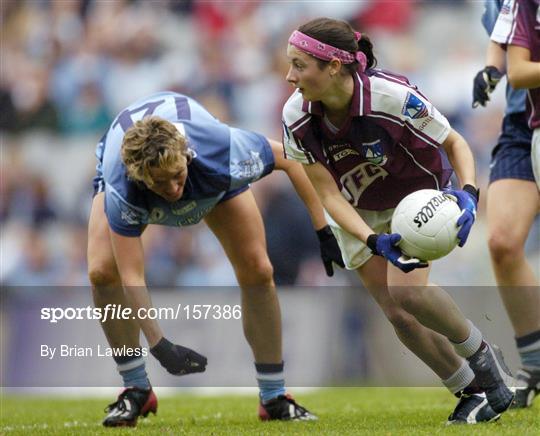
x=366 y=47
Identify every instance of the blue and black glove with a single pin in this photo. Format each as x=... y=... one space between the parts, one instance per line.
x=467 y=200
x=484 y=84
x=385 y=245
x=176 y=359
x=330 y=251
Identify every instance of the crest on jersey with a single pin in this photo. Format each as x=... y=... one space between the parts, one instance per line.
x=250 y=168
x=373 y=152
x=130 y=216
x=157 y=215
x=414 y=107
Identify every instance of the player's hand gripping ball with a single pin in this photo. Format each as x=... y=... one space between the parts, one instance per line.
x=386 y=245
x=427 y=221
x=467 y=200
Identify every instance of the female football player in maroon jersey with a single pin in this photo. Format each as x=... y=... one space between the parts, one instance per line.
x=367 y=138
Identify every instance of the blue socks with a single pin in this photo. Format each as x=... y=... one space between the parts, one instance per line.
x=529 y=350
x=133 y=371
x=270 y=380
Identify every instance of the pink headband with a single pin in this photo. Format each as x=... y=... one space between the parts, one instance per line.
x=327 y=52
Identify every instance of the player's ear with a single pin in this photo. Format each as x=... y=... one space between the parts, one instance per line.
x=334 y=67
x=189 y=156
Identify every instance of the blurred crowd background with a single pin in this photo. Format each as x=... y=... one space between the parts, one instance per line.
x=69 y=66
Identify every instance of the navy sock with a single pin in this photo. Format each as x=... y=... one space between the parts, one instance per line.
x=270 y=380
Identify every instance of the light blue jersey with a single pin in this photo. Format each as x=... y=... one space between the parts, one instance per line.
x=515 y=98
x=225 y=160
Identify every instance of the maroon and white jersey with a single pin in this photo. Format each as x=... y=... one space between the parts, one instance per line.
x=387 y=148
x=518 y=24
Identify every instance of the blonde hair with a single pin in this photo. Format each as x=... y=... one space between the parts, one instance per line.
x=153 y=142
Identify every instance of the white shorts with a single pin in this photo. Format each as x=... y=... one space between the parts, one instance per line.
x=355 y=253
x=535 y=155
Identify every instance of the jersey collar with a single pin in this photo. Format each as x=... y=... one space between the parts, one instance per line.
x=361 y=100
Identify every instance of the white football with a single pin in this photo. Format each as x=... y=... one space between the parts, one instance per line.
x=427 y=223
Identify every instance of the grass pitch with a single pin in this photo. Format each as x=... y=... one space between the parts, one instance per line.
x=346 y=411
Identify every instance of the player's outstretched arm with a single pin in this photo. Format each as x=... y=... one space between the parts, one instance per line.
x=344 y=214
x=486 y=80
x=496 y=56
x=301 y=184
x=522 y=72
x=129 y=256
x=335 y=204
x=330 y=252
x=462 y=160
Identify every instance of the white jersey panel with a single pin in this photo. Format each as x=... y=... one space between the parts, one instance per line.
x=294 y=118
x=403 y=104
x=505 y=26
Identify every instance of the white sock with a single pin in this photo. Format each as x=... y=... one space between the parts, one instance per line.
x=470 y=345
x=460 y=379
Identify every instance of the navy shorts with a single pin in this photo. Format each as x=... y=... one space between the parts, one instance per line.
x=233 y=193
x=511 y=158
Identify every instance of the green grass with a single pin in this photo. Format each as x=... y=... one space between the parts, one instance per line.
x=388 y=411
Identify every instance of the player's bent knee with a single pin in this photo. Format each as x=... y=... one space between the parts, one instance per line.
x=103 y=275
x=256 y=272
x=504 y=247
x=409 y=299
x=401 y=319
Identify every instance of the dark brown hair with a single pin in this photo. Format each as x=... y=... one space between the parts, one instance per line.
x=339 y=34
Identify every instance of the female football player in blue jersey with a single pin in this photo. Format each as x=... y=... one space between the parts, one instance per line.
x=367 y=138
x=166 y=160
x=512 y=188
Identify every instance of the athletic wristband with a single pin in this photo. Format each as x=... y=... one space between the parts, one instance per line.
x=325 y=234
x=371 y=242
x=470 y=189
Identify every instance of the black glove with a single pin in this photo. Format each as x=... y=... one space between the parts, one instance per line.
x=176 y=359
x=330 y=251
x=484 y=84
